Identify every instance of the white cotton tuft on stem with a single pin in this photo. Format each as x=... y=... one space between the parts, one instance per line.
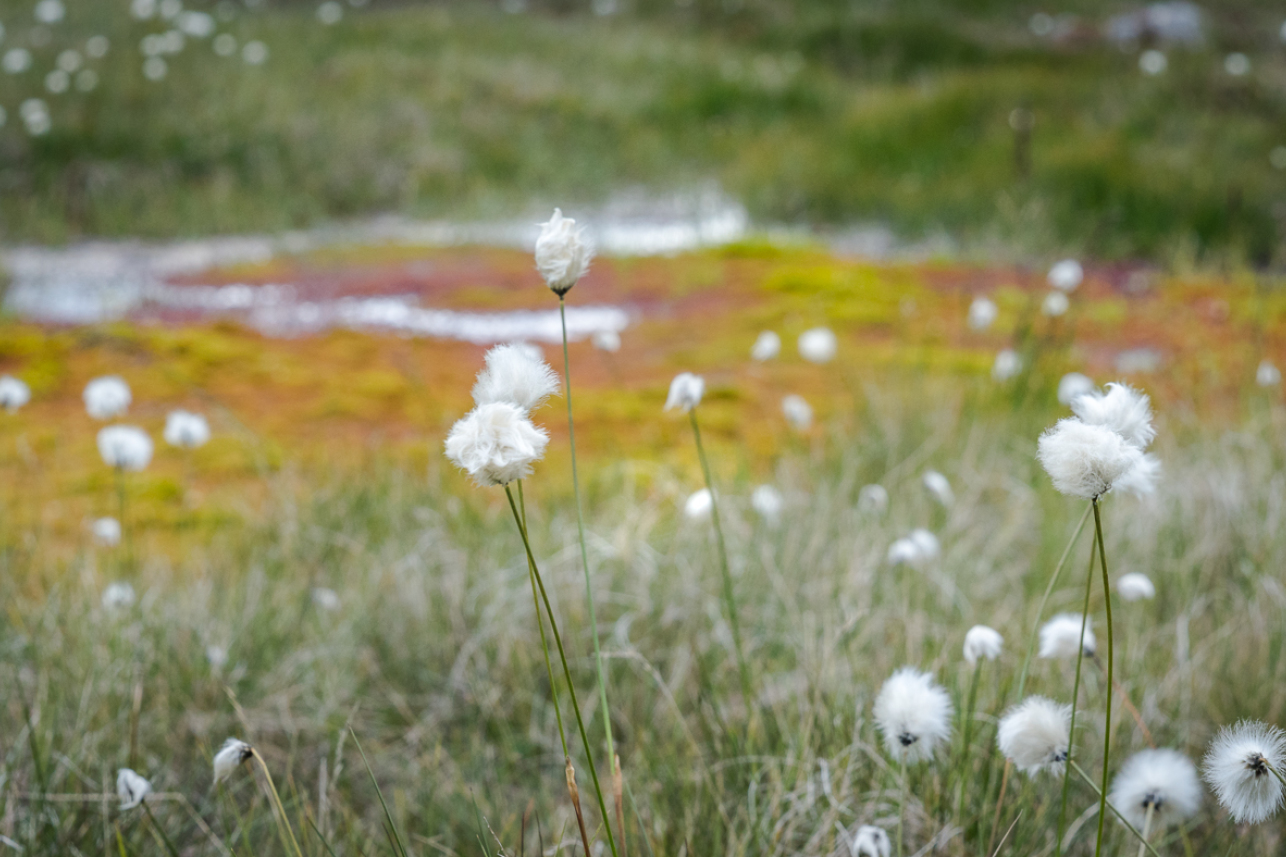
x=131 y=788
x=1085 y=460
x=515 y=375
x=1122 y=409
x=186 y=430
x=1036 y=735
x=871 y=841
x=563 y=253
x=982 y=642
x=1244 y=766
x=125 y=447
x=1160 y=783
x=1059 y=636
x=913 y=714
x=496 y=444
x=106 y=397
x=1135 y=587
x=233 y=752
x=13 y=393
x=686 y=391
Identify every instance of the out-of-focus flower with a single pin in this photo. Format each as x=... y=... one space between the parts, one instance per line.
x=186 y=430
x=871 y=841
x=107 y=532
x=699 y=505
x=1055 y=304
x=1066 y=275
x=686 y=391
x=818 y=345
x=798 y=412
x=1135 y=586
x=768 y=502
x=13 y=393
x=938 y=487
x=562 y=253
x=118 y=595
x=106 y=397
x=1059 y=636
x=982 y=642
x=1071 y=385
x=1153 y=62
x=982 y=313
x=607 y=340
x=1268 y=375
x=1006 y=365
x=131 y=788
x=1036 y=735
x=766 y=347
x=325 y=599
x=125 y=447
x=873 y=499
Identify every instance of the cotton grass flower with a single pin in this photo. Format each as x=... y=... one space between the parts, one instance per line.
x=516 y=376
x=131 y=788
x=1242 y=767
x=562 y=253
x=1066 y=275
x=1122 y=409
x=325 y=599
x=982 y=642
x=1007 y=365
x=1268 y=375
x=1059 y=636
x=496 y=444
x=1073 y=384
x=871 y=841
x=799 y=414
x=1036 y=735
x=982 y=313
x=766 y=347
x=13 y=393
x=917 y=549
x=1055 y=305
x=118 y=596
x=606 y=340
x=686 y=391
x=699 y=506
x=1156 y=789
x=1085 y=460
x=913 y=714
x=1141 y=479
x=768 y=503
x=939 y=487
x=186 y=430
x=230 y=755
x=106 y=531
x=126 y=448
x=1135 y=587
x=107 y=397
x=818 y=345
x=873 y=499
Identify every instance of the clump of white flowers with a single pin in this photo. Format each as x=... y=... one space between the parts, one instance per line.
x=798 y=413
x=699 y=506
x=14 y=393
x=131 y=788
x=1135 y=587
x=107 y=397
x=186 y=430
x=982 y=313
x=1156 y=788
x=563 y=253
x=1036 y=735
x=515 y=375
x=982 y=642
x=818 y=345
x=871 y=841
x=1061 y=636
x=913 y=714
x=766 y=347
x=233 y=752
x=917 y=549
x=686 y=391
x=939 y=487
x=496 y=444
x=1243 y=765
x=1066 y=275
x=125 y=447
x=768 y=503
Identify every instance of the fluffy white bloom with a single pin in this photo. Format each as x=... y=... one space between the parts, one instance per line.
x=1006 y=365
x=699 y=505
x=798 y=412
x=514 y=375
x=1164 y=781
x=107 y=531
x=926 y=542
x=118 y=595
x=216 y=655
x=562 y=253
x=186 y=430
x=871 y=841
x=606 y=340
x=1035 y=735
x=818 y=345
x=1267 y=375
x=766 y=347
x=131 y=788
x=1141 y=479
x=686 y=391
x=903 y=552
x=230 y=755
x=125 y=447
x=13 y=393
x=913 y=713
x=873 y=499
x=1055 y=304
x=1066 y=275
x=1122 y=409
x=496 y=444
x=325 y=599
x=768 y=502
x=982 y=642
x=106 y=397
x=982 y=313
x=1071 y=385
x=917 y=549
x=937 y=485
x=1135 y=586
x=1085 y=460
x=1058 y=636
x=1237 y=768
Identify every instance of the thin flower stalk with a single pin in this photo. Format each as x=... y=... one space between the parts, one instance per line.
x=567 y=673
x=967 y=732
x=287 y=835
x=580 y=530
x=1076 y=694
x=1107 y=716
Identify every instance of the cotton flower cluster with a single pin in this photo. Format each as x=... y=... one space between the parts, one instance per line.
x=562 y=253
x=871 y=841
x=125 y=447
x=1103 y=447
x=982 y=642
x=913 y=714
x=1156 y=788
x=1060 y=635
x=917 y=549
x=107 y=397
x=1036 y=735
x=186 y=430
x=1243 y=765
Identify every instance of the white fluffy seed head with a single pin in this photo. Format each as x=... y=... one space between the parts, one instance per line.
x=1141 y=479
x=913 y=714
x=982 y=313
x=1066 y=275
x=1239 y=768
x=106 y=397
x=818 y=345
x=562 y=253
x=13 y=393
x=1073 y=384
x=871 y=841
x=131 y=788
x=873 y=499
x=1055 y=304
x=1085 y=460
x=515 y=375
x=699 y=506
x=107 y=531
x=939 y=487
x=768 y=502
x=798 y=413
x=1164 y=781
x=1122 y=409
x=326 y=599
x=496 y=444
x=766 y=347
x=1006 y=365
x=125 y=447
x=233 y=752
x=186 y=430
x=982 y=642
x=1135 y=587
x=1059 y=636
x=686 y=391
x=1035 y=735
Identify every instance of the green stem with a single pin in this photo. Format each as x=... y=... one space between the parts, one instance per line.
x=967 y=731
x=169 y=846
x=285 y=820
x=1049 y=588
x=1107 y=717
x=567 y=673
x=1076 y=695
x=729 y=595
x=580 y=529
x=1093 y=785
x=540 y=624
